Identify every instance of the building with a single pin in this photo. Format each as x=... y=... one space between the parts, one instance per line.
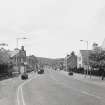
x=22 y=55
x=83 y=59
x=83 y=56
x=103 y=44
x=18 y=59
x=70 y=62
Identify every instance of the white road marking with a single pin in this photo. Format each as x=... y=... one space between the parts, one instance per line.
x=18 y=101
x=89 y=94
x=20 y=97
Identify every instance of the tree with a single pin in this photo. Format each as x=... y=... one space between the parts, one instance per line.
x=32 y=61
x=5 y=62
x=97 y=60
x=72 y=53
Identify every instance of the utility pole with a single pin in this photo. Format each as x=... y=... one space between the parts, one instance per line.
x=66 y=63
x=3 y=44
x=87 y=57
x=17 y=42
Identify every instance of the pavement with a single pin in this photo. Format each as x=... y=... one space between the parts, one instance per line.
x=8 y=89
x=86 y=78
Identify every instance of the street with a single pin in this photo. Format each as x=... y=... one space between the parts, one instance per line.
x=52 y=52
x=54 y=88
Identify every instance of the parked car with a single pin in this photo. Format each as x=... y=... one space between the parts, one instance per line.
x=40 y=71
x=24 y=76
x=70 y=73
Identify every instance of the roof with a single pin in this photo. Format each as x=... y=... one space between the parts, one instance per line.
x=13 y=53
x=6 y=54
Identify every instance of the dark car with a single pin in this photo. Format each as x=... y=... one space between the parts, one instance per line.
x=24 y=76
x=41 y=71
x=70 y=73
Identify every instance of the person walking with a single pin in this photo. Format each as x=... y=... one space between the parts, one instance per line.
x=103 y=74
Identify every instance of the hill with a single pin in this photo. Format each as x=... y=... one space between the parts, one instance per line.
x=50 y=61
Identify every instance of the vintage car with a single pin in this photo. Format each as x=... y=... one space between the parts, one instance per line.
x=70 y=73
x=24 y=76
x=41 y=71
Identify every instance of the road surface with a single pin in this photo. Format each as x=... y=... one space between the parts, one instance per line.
x=54 y=88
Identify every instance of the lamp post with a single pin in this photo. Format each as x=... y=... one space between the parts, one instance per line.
x=17 y=40
x=87 y=57
x=3 y=44
x=66 y=61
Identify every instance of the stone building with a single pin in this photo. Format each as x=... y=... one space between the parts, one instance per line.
x=70 y=62
x=18 y=58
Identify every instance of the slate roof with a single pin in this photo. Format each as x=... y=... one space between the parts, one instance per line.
x=12 y=53
x=5 y=55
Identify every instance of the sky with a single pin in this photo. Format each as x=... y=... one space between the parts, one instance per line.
x=53 y=28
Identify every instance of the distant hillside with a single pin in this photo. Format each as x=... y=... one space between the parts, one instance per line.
x=49 y=61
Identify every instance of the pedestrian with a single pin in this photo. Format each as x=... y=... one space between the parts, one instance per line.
x=103 y=74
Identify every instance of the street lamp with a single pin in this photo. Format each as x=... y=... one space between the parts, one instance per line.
x=3 y=44
x=66 y=61
x=85 y=42
x=87 y=56
x=17 y=40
